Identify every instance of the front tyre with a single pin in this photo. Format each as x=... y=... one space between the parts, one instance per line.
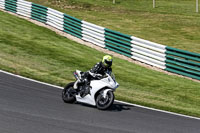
x=67 y=93
x=104 y=103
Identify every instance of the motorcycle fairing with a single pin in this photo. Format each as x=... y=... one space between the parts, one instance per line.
x=96 y=86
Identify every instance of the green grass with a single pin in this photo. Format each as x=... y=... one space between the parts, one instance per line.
x=173 y=22
x=41 y=54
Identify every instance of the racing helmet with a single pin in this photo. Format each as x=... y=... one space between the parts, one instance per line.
x=107 y=61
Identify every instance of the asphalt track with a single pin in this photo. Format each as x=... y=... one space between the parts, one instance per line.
x=30 y=107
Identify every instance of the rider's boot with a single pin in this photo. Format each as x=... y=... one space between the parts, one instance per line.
x=76 y=84
x=85 y=91
x=80 y=81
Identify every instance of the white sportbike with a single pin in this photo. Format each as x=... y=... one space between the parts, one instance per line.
x=100 y=92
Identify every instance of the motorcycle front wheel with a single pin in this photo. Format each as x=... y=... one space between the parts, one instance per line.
x=104 y=103
x=67 y=95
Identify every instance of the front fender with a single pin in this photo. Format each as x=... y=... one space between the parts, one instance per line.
x=105 y=92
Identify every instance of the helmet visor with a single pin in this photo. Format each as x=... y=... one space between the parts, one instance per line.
x=108 y=63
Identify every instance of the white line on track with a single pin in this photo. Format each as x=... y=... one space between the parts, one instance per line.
x=115 y=100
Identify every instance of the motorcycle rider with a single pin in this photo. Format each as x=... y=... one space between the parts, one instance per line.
x=97 y=72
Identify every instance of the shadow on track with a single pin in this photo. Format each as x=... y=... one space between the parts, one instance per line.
x=116 y=107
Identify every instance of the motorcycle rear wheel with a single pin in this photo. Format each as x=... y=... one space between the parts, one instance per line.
x=104 y=103
x=66 y=95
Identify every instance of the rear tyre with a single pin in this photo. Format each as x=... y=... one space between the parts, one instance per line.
x=67 y=93
x=104 y=103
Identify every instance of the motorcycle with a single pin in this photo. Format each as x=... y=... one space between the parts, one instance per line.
x=100 y=91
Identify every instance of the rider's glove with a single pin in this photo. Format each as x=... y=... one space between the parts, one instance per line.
x=98 y=76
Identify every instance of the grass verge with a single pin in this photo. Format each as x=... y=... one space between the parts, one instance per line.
x=41 y=54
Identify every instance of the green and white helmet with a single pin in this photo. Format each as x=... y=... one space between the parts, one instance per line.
x=107 y=60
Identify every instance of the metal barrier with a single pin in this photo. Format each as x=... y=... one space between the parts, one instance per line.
x=183 y=62
x=164 y=57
